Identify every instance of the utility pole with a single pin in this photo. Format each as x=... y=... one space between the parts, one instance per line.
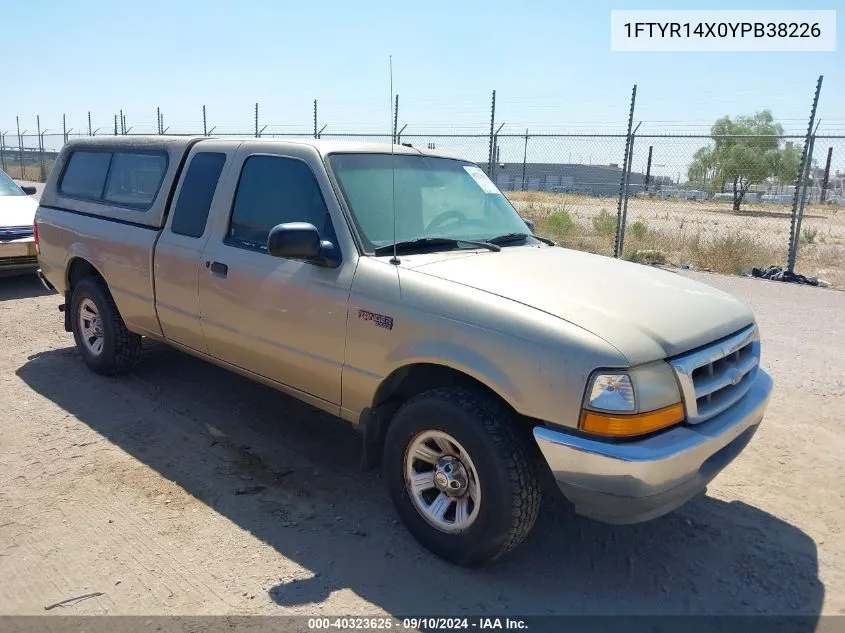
x=826 y=177
x=648 y=168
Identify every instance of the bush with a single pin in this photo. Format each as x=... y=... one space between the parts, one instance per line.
x=638 y=229
x=604 y=223
x=808 y=235
x=560 y=222
x=646 y=256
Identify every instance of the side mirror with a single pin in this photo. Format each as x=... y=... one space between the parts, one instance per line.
x=301 y=241
x=529 y=224
x=28 y=190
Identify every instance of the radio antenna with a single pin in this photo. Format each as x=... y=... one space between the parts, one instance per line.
x=394 y=260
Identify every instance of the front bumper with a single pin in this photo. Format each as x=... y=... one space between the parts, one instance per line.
x=631 y=482
x=18 y=256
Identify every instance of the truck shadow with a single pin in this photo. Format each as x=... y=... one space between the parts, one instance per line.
x=22 y=287
x=293 y=479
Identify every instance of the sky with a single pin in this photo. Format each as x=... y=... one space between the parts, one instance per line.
x=549 y=61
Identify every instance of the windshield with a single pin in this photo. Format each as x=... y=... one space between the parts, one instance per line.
x=435 y=197
x=8 y=186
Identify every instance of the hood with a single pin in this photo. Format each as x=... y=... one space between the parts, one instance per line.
x=645 y=312
x=17 y=210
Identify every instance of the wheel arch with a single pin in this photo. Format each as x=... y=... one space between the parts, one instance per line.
x=415 y=378
x=77 y=268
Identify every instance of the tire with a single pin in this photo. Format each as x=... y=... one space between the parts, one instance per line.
x=118 y=349
x=485 y=436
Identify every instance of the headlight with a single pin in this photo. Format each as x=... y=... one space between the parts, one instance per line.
x=612 y=392
x=640 y=401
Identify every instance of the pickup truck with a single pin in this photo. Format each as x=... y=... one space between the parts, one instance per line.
x=399 y=290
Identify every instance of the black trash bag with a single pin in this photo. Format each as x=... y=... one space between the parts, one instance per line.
x=776 y=273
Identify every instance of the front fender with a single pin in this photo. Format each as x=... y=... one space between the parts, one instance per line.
x=460 y=358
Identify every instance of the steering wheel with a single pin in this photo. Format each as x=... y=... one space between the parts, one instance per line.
x=444 y=217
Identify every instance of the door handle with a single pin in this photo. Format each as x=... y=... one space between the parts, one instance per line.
x=218 y=268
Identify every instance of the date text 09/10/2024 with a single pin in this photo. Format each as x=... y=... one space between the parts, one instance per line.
x=418 y=623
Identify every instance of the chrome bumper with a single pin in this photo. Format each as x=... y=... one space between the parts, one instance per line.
x=636 y=481
x=18 y=256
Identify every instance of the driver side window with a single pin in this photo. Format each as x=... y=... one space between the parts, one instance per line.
x=273 y=190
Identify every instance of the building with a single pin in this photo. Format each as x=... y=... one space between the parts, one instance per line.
x=596 y=180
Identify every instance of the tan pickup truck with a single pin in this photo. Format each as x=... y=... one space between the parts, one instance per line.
x=400 y=291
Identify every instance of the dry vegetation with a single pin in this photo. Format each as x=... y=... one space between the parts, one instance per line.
x=705 y=235
x=31 y=172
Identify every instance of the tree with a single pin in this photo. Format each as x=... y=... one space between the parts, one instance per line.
x=746 y=150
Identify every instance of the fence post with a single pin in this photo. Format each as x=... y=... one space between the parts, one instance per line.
x=492 y=170
x=395 y=119
x=623 y=222
x=804 y=195
x=40 y=147
x=90 y=133
x=623 y=181
x=315 y=118
x=20 y=148
x=256 y=120
x=64 y=127
x=204 y=123
x=115 y=125
x=802 y=168
x=826 y=177
x=524 y=158
x=648 y=168
x=492 y=124
x=3 y=150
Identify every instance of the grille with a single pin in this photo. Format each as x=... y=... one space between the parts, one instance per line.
x=712 y=379
x=18 y=261
x=15 y=232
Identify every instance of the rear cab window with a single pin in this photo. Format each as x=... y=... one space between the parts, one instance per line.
x=194 y=202
x=122 y=178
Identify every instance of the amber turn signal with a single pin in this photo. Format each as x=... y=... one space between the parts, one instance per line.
x=616 y=425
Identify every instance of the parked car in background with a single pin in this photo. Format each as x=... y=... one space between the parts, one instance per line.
x=17 y=216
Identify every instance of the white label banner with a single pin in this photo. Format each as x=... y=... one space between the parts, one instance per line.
x=723 y=31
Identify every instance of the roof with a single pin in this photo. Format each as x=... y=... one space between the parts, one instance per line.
x=324 y=146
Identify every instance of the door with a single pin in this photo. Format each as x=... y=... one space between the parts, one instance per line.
x=282 y=319
x=177 y=253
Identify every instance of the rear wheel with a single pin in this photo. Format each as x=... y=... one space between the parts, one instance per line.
x=106 y=345
x=461 y=476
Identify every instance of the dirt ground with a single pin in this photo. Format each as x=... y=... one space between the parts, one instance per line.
x=183 y=489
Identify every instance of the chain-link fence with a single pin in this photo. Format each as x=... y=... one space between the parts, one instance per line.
x=717 y=202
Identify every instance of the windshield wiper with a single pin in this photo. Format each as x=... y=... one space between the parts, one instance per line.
x=518 y=237
x=425 y=242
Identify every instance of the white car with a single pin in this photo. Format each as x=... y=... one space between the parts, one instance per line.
x=18 y=253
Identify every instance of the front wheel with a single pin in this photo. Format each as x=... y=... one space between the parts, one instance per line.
x=107 y=346
x=461 y=476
